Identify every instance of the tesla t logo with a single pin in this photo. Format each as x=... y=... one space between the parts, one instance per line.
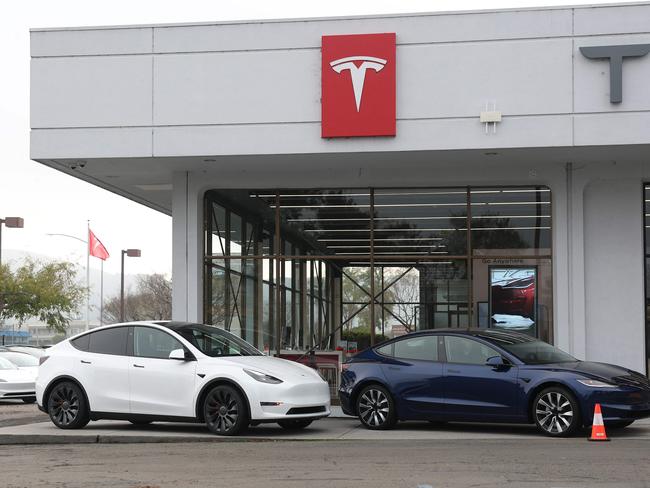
x=358 y=73
x=358 y=77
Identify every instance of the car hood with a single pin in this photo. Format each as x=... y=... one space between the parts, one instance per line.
x=607 y=372
x=280 y=368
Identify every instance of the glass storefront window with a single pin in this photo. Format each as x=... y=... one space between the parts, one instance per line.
x=383 y=261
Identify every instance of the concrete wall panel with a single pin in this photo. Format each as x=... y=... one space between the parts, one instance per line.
x=612 y=20
x=85 y=42
x=90 y=143
x=94 y=91
x=614 y=271
x=415 y=29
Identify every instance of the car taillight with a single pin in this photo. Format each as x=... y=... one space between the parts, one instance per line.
x=42 y=359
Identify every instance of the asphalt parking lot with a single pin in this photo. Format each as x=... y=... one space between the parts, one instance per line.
x=333 y=452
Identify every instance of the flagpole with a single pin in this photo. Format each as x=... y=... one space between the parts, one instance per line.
x=88 y=276
x=101 y=296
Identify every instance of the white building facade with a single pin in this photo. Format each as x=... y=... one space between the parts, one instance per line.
x=530 y=220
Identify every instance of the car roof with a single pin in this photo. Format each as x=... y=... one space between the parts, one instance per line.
x=495 y=334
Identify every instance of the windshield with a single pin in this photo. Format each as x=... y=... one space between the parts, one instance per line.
x=6 y=364
x=215 y=342
x=532 y=351
x=20 y=359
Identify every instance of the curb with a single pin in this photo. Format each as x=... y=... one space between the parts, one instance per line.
x=12 y=439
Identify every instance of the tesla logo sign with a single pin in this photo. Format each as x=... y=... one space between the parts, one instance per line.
x=358 y=77
x=358 y=73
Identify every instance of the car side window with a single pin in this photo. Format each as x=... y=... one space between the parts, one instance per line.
x=386 y=350
x=109 y=341
x=467 y=351
x=153 y=343
x=82 y=342
x=423 y=348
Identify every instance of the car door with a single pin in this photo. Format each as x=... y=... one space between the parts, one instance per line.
x=102 y=369
x=158 y=385
x=474 y=390
x=415 y=376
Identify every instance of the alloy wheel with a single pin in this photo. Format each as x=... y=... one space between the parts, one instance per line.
x=222 y=410
x=554 y=413
x=64 y=405
x=374 y=407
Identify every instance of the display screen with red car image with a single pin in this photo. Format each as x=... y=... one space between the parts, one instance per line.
x=513 y=298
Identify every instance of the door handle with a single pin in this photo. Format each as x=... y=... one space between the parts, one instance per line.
x=138 y=366
x=453 y=371
x=86 y=362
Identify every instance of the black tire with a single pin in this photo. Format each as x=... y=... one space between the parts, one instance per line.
x=67 y=406
x=556 y=412
x=140 y=422
x=297 y=424
x=29 y=400
x=618 y=424
x=225 y=411
x=375 y=408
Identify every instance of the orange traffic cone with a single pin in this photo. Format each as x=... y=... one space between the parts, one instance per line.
x=598 y=426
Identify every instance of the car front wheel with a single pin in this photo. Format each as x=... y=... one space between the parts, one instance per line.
x=67 y=406
x=375 y=408
x=225 y=411
x=556 y=412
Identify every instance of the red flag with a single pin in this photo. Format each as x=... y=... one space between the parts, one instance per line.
x=96 y=247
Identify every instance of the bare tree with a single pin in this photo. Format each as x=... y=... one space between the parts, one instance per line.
x=151 y=300
x=406 y=293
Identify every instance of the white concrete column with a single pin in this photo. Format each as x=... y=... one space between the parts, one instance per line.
x=179 y=247
x=187 y=248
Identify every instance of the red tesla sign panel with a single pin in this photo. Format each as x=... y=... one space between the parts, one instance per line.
x=358 y=78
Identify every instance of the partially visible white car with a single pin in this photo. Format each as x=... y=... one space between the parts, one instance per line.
x=37 y=352
x=21 y=360
x=16 y=383
x=174 y=371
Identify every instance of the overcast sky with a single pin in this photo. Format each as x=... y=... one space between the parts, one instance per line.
x=51 y=202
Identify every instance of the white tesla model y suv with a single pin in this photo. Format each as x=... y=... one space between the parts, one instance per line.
x=173 y=371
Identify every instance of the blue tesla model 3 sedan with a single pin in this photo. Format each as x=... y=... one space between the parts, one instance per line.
x=478 y=375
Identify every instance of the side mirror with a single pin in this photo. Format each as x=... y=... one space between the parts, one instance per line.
x=496 y=362
x=178 y=354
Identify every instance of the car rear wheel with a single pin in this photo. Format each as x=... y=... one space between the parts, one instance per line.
x=225 y=411
x=375 y=408
x=297 y=424
x=67 y=406
x=556 y=412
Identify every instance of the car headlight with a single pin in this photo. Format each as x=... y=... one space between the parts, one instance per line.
x=262 y=377
x=596 y=384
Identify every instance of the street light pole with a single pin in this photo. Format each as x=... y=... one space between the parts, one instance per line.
x=132 y=253
x=87 y=272
x=11 y=222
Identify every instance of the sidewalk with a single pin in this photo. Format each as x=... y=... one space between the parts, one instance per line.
x=329 y=429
